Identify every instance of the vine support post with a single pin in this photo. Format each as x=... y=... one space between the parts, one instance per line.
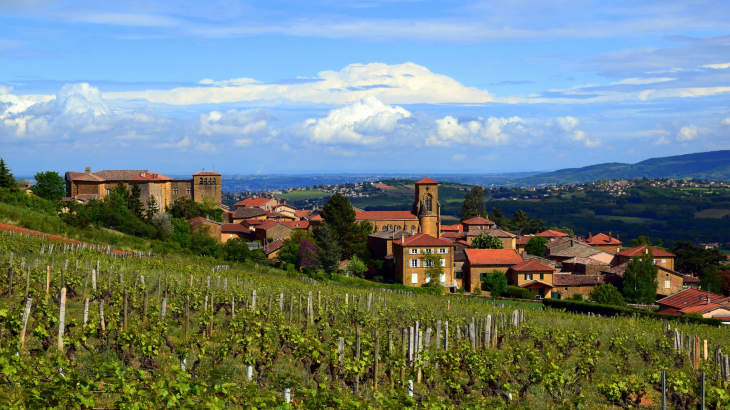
x=27 y=283
x=124 y=313
x=390 y=354
x=48 y=280
x=86 y=312
x=187 y=316
x=62 y=319
x=404 y=339
x=101 y=315
x=144 y=307
x=702 y=388
x=24 y=321
x=10 y=280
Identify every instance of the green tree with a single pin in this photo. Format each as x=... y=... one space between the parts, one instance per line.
x=289 y=253
x=49 y=185
x=181 y=232
x=356 y=267
x=710 y=279
x=152 y=207
x=7 y=180
x=497 y=216
x=473 y=204
x=328 y=247
x=121 y=190
x=522 y=223
x=185 y=208
x=695 y=259
x=340 y=216
x=640 y=280
x=607 y=294
x=536 y=246
x=483 y=241
x=564 y=230
x=236 y=250
x=495 y=283
x=641 y=241
x=135 y=201
x=434 y=269
x=201 y=243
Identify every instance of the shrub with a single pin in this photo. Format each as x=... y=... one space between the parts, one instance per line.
x=495 y=283
x=607 y=294
x=516 y=292
x=577 y=297
x=608 y=310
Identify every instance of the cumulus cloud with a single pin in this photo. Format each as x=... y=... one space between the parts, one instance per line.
x=393 y=84
x=717 y=66
x=481 y=131
x=364 y=122
x=569 y=126
x=726 y=121
x=661 y=141
x=688 y=133
x=233 y=122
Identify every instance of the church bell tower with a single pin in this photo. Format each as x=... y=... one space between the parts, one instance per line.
x=426 y=206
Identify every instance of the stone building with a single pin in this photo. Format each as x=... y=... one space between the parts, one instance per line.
x=661 y=257
x=411 y=266
x=479 y=262
x=96 y=185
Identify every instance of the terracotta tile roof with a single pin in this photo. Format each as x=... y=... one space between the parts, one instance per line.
x=546 y=262
x=451 y=228
x=273 y=246
x=602 y=239
x=296 y=224
x=690 y=297
x=691 y=279
x=723 y=318
x=670 y=311
x=200 y=219
x=557 y=242
x=248 y=212
x=478 y=220
x=234 y=228
x=531 y=265
x=641 y=250
x=579 y=250
x=425 y=181
x=498 y=233
x=385 y=215
x=285 y=206
x=254 y=202
x=522 y=240
x=566 y=279
x=421 y=239
x=535 y=282
x=255 y=222
x=303 y=213
x=122 y=174
x=390 y=234
x=270 y=224
x=585 y=261
x=493 y=256
x=149 y=177
x=83 y=176
x=206 y=173
x=551 y=233
x=463 y=242
x=703 y=308
x=317 y=217
x=453 y=235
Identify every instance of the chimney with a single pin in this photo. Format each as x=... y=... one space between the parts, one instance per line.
x=609 y=237
x=88 y=170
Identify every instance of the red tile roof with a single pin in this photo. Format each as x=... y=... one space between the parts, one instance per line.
x=273 y=246
x=234 y=228
x=254 y=202
x=536 y=282
x=566 y=279
x=303 y=213
x=422 y=239
x=691 y=279
x=451 y=228
x=522 y=240
x=550 y=233
x=478 y=220
x=602 y=239
x=454 y=235
x=296 y=224
x=704 y=308
x=247 y=212
x=317 y=217
x=425 y=181
x=641 y=250
x=532 y=265
x=385 y=215
x=690 y=297
x=82 y=176
x=493 y=256
x=206 y=173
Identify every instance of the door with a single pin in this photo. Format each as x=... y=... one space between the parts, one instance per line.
x=542 y=292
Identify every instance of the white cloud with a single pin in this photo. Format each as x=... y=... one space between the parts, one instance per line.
x=228 y=83
x=392 y=84
x=726 y=121
x=661 y=141
x=717 y=66
x=243 y=142
x=643 y=81
x=482 y=131
x=688 y=133
x=233 y=122
x=182 y=144
x=365 y=122
x=569 y=126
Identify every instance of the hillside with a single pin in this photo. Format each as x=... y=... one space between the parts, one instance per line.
x=713 y=166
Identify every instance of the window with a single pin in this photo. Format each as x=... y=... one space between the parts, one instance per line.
x=413 y=228
x=566 y=288
x=443 y=263
x=428 y=251
x=414 y=263
x=397 y=228
x=664 y=261
x=443 y=251
x=427 y=263
x=428 y=201
x=201 y=180
x=385 y=228
x=189 y=189
x=667 y=284
x=528 y=276
x=108 y=191
x=414 y=278
x=458 y=275
x=653 y=261
x=542 y=276
x=413 y=251
x=212 y=181
x=442 y=278
x=174 y=191
x=428 y=279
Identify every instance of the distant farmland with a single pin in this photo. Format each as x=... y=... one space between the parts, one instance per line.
x=712 y=213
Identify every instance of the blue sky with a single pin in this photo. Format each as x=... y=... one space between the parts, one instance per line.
x=359 y=86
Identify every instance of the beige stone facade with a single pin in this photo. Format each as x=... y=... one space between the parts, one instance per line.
x=411 y=266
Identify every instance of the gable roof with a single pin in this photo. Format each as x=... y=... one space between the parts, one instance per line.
x=247 y=212
x=451 y=228
x=522 y=240
x=557 y=241
x=643 y=249
x=234 y=228
x=254 y=202
x=577 y=250
x=621 y=270
x=296 y=224
x=385 y=215
x=270 y=224
x=585 y=261
x=425 y=181
x=691 y=279
x=690 y=297
x=390 y=234
x=273 y=246
x=493 y=256
x=602 y=239
x=535 y=282
x=531 y=265
x=567 y=279
x=703 y=308
x=422 y=239
x=478 y=220
x=551 y=233
x=497 y=233
x=83 y=176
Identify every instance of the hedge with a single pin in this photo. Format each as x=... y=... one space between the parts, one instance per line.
x=516 y=292
x=609 y=310
x=362 y=283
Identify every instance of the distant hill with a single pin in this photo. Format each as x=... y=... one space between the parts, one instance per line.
x=713 y=166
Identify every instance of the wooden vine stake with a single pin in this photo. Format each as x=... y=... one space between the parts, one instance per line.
x=101 y=315
x=24 y=321
x=376 y=360
x=86 y=312
x=124 y=315
x=48 y=280
x=62 y=319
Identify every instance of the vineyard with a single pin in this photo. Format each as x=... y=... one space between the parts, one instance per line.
x=85 y=328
